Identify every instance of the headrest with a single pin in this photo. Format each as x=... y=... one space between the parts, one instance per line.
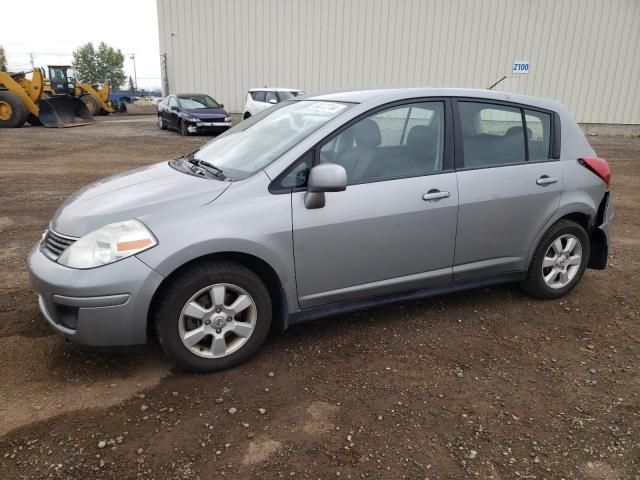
x=367 y=133
x=422 y=140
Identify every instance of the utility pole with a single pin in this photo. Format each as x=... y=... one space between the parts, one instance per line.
x=135 y=75
x=31 y=61
x=165 y=79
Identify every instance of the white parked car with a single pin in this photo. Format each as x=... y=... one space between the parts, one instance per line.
x=259 y=99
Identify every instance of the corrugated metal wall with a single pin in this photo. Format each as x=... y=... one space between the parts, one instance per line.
x=585 y=53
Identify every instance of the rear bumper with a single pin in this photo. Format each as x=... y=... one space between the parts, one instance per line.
x=101 y=307
x=600 y=236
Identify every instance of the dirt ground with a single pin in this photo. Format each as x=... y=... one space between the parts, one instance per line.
x=483 y=384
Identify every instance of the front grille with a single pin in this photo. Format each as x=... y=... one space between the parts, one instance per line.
x=54 y=244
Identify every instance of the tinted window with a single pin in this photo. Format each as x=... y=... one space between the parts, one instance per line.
x=539 y=134
x=491 y=134
x=197 y=101
x=271 y=96
x=398 y=142
x=258 y=96
x=285 y=95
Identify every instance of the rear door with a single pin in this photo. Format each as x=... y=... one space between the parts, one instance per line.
x=509 y=184
x=393 y=229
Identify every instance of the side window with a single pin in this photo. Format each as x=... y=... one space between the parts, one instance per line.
x=402 y=141
x=271 y=97
x=173 y=102
x=538 y=134
x=258 y=96
x=491 y=134
x=296 y=176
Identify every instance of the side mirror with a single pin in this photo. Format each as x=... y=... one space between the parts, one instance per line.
x=273 y=101
x=221 y=105
x=326 y=177
x=174 y=108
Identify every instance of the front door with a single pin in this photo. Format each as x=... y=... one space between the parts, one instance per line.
x=393 y=229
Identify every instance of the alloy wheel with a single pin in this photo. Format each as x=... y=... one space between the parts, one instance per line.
x=562 y=261
x=217 y=320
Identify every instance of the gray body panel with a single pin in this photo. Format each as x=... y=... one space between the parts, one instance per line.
x=374 y=238
x=372 y=241
x=501 y=212
x=132 y=194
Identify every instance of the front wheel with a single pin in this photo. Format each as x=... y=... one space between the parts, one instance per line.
x=91 y=104
x=184 y=130
x=213 y=316
x=161 y=124
x=559 y=261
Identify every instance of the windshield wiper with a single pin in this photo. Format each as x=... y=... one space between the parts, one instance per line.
x=204 y=165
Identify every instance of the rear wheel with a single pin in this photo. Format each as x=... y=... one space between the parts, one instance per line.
x=559 y=261
x=213 y=316
x=13 y=112
x=91 y=104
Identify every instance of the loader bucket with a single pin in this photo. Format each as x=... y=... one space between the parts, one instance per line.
x=63 y=111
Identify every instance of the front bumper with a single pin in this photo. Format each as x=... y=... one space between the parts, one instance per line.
x=202 y=126
x=101 y=307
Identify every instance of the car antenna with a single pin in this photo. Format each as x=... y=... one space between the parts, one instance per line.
x=491 y=87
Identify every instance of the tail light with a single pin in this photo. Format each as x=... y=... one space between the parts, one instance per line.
x=599 y=166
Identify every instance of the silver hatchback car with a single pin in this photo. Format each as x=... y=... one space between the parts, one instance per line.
x=323 y=205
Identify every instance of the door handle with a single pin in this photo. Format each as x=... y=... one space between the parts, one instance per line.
x=546 y=180
x=435 y=194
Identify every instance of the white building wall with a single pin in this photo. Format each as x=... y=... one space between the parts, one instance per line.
x=584 y=53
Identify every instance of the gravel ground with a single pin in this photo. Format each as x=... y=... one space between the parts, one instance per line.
x=483 y=384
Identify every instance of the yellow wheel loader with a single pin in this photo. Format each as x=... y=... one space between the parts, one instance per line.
x=23 y=99
x=95 y=98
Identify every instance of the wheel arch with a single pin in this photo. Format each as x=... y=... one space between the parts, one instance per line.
x=260 y=267
x=582 y=213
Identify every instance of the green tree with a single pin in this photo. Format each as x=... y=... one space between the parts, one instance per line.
x=3 y=60
x=101 y=65
x=132 y=87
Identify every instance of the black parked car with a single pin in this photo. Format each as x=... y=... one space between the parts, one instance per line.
x=191 y=113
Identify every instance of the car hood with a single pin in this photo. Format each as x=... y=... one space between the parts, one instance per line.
x=133 y=194
x=206 y=112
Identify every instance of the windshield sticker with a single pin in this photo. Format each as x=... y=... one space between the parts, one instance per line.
x=327 y=107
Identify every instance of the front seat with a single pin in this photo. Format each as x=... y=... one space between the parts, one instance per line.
x=420 y=152
x=358 y=160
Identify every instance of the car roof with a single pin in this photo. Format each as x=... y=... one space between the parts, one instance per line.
x=179 y=95
x=274 y=89
x=384 y=95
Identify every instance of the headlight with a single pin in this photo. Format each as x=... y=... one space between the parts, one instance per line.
x=189 y=119
x=227 y=119
x=108 y=244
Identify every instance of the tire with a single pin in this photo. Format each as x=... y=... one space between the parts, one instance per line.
x=91 y=104
x=161 y=124
x=246 y=115
x=562 y=231
x=13 y=112
x=195 y=285
x=182 y=128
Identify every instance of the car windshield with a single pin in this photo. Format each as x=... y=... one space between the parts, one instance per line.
x=256 y=142
x=192 y=102
x=286 y=95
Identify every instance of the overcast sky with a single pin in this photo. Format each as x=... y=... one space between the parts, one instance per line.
x=51 y=31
